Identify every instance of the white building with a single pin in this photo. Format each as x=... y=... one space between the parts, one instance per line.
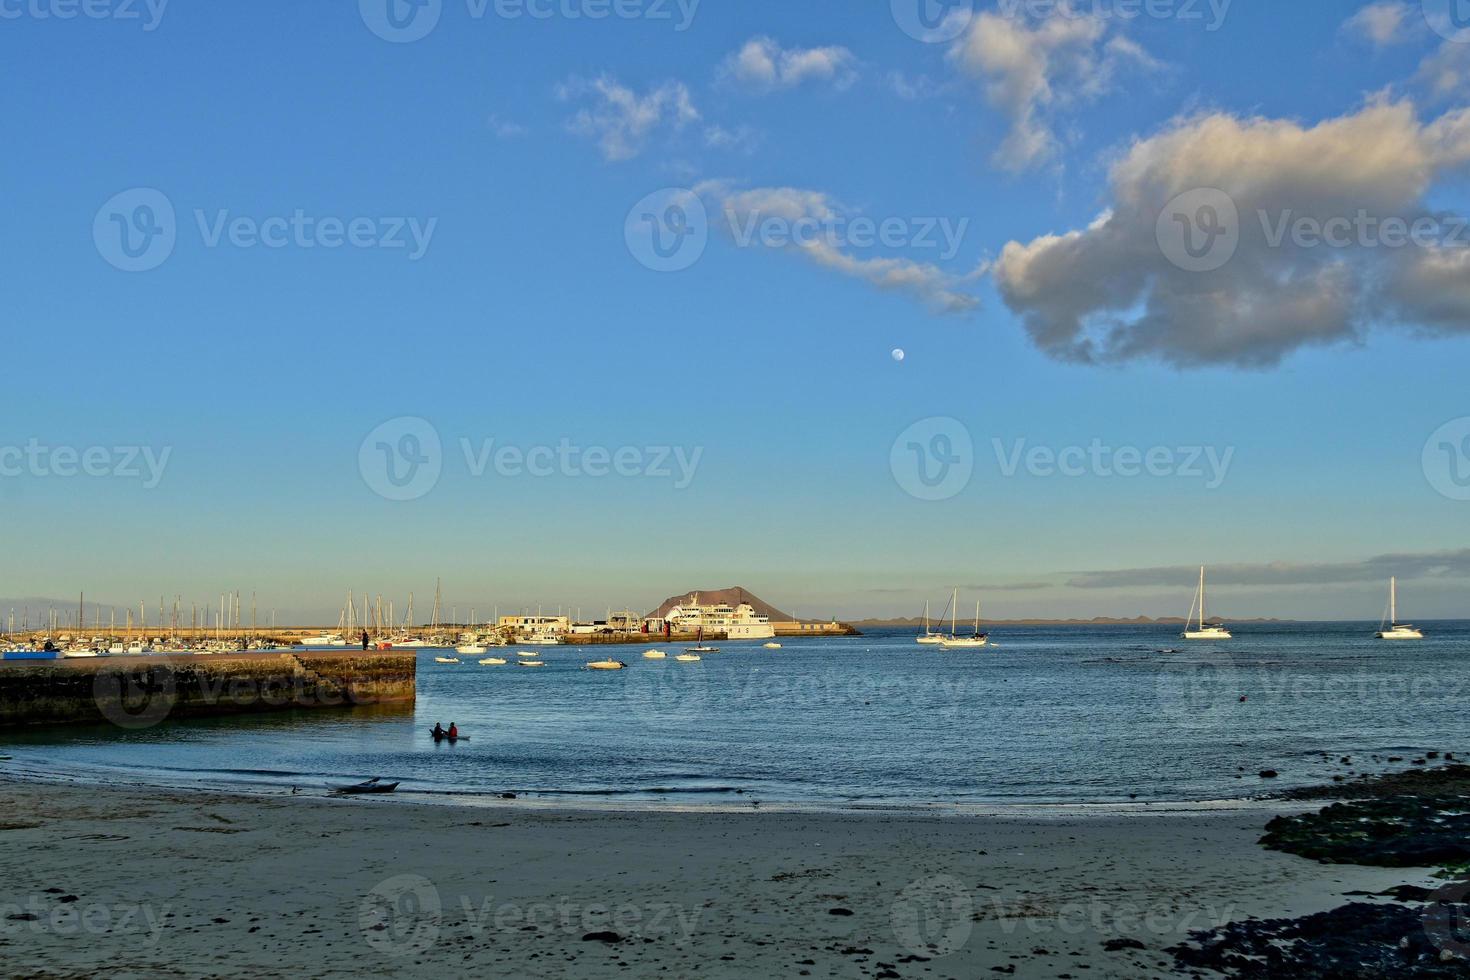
x=532 y=627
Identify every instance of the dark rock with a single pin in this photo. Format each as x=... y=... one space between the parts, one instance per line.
x=1398 y=832
x=1353 y=942
x=1118 y=945
x=839 y=911
x=1269 y=773
x=507 y=796
x=611 y=938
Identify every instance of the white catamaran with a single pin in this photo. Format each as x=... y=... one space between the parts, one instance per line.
x=1390 y=628
x=1206 y=631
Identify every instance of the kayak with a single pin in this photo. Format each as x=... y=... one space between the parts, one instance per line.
x=371 y=786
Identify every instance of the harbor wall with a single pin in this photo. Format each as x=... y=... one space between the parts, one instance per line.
x=139 y=692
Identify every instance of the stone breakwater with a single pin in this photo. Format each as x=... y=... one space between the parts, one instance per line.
x=138 y=692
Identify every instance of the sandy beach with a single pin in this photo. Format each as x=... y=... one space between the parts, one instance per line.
x=138 y=882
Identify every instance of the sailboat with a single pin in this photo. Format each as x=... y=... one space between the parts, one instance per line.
x=1390 y=629
x=929 y=637
x=957 y=642
x=699 y=646
x=1205 y=631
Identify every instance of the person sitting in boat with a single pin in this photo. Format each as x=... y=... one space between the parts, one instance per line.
x=438 y=731
x=453 y=731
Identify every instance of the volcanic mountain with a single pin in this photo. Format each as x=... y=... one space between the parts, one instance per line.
x=733 y=596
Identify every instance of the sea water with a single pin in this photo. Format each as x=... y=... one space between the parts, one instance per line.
x=1044 y=715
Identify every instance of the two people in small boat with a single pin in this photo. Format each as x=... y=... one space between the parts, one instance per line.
x=440 y=733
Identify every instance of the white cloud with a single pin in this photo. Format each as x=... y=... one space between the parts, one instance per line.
x=764 y=66
x=505 y=129
x=620 y=119
x=1383 y=24
x=744 y=212
x=1109 y=293
x=914 y=88
x=1447 y=71
x=741 y=139
x=1033 y=70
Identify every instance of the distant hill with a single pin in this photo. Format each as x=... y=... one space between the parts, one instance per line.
x=734 y=596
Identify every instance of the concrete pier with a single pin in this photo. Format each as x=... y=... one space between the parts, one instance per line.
x=139 y=692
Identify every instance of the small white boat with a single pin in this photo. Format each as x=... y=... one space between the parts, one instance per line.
x=527 y=653
x=542 y=641
x=1390 y=628
x=1204 y=631
x=470 y=649
x=414 y=644
x=324 y=640
x=687 y=658
x=533 y=663
x=654 y=655
x=772 y=646
x=701 y=649
x=607 y=665
x=493 y=662
x=446 y=660
x=79 y=654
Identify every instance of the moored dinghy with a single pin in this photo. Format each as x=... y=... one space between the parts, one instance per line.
x=654 y=655
x=607 y=665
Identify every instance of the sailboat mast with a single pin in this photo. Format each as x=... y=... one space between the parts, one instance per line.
x=1393 y=601
x=1202 y=597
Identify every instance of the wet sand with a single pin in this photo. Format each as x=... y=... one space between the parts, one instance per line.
x=137 y=882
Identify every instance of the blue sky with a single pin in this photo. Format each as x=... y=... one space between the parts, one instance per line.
x=518 y=146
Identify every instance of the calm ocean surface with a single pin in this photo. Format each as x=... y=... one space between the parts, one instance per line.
x=1047 y=715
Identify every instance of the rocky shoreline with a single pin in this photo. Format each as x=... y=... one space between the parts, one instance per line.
x=1414 y=819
